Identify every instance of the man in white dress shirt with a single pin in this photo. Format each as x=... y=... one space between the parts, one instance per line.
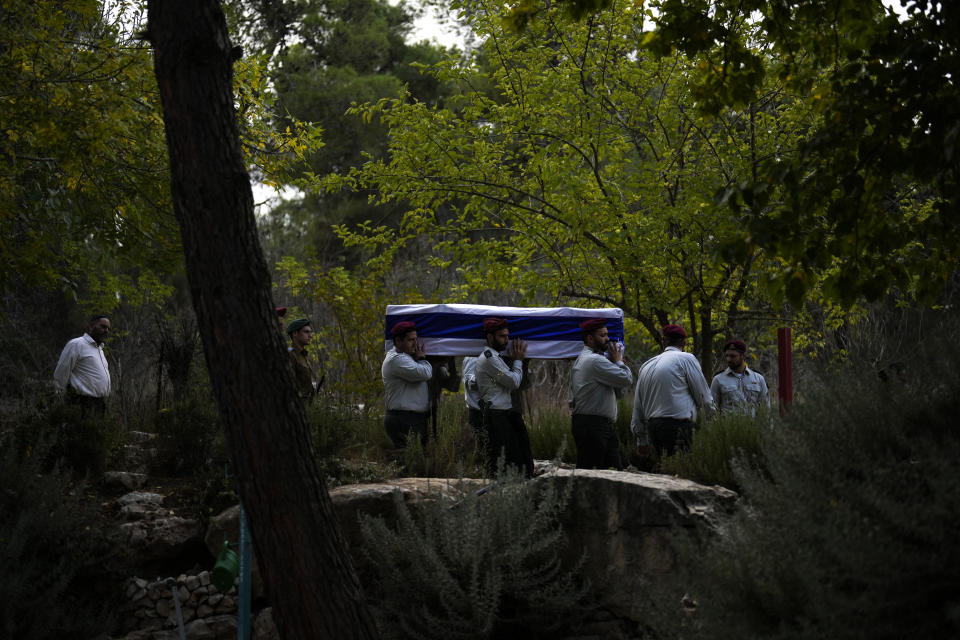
x=406 y=372
x=598 y=378
x=670 y=388
x=503 y=427
x=82 y=372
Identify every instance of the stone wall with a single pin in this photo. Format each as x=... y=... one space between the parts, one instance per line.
x=151 y=604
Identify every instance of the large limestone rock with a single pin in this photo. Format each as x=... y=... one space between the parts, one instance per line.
x=627 y=524
x=349 y=502
x=154 y=535
x=624 y=522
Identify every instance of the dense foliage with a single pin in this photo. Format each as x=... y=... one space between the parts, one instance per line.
x=872 y=191
x=323 y=57
x=586 y=176
x=848 y=531
x=481 y=566
x=83 y=179
x=50 y=546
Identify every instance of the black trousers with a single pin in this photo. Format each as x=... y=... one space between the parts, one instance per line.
x=506 y=435
x=597 y=444
x=401 y=425
x=89 y=405
x=670 y=435
x=475 y=420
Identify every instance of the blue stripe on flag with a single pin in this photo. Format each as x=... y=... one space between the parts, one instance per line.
x=451 y=323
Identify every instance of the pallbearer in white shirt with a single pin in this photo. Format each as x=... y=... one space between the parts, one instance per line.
x=498 y=376
x=405 y=374
x=82 y=372
x=598 y=378
x=670 y=389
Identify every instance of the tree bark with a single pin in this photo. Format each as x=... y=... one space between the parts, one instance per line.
x=306 y=567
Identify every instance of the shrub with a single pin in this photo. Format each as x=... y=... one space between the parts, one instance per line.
x=551 y=437
x=451 y=452
x=84 y=444
x=487 y=566
x=344 y=431
x=188 y=434
x=716 y=447
x=353 y=446
x=48 y=547
x=550 y=434
x=850 y=531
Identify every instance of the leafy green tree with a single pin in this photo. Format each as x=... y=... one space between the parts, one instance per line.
x=82 y=157
x=589 y=178
x=86 y=220
x=325 y=56
x=872 y=192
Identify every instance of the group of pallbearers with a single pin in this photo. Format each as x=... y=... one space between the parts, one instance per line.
x=493 y=379
x=670 y=390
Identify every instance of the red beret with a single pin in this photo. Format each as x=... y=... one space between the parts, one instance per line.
x=402 y=327
x=593 y=324
x=492 y=325
x=281 y=311
x=738 y=345
x=674 y=330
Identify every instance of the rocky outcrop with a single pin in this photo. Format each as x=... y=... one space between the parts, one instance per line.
x=620 y=523
x=625 y=526
x=154 y=534
x=138 y=453
x=349 y=502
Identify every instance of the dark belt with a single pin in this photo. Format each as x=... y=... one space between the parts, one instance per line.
x=593 y=416
x=404 y=412
x=488 y=410
x=76 y=396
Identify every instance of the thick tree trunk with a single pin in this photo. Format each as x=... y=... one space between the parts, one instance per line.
x=306 y=567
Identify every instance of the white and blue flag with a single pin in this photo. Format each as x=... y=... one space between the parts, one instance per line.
x=552 y=333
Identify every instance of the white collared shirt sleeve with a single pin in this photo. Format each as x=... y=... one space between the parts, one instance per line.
x=716 y=390
x=68 y=358
x=405 y=382
x=612 y=374
x=496 y=380
x=594 y=381
x=471 y=392
x=406 y=368
x=503 y=376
